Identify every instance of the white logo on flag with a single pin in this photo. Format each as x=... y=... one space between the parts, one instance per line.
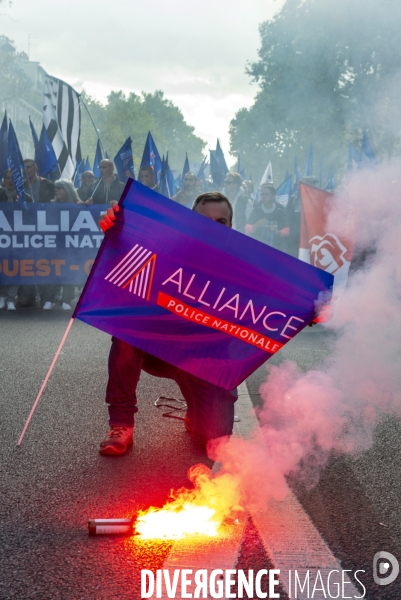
x=327 y=252
x=135 y=271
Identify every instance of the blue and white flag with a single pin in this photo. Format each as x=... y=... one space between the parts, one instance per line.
x=16 y=165
x=124 y=161
x=62 y=119
x=98 y=158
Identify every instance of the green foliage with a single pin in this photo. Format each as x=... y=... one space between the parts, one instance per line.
x=134 y=115
x=327 y=70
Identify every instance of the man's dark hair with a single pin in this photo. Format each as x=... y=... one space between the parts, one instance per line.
x=213 y=197
x=30 y=160
x=146 y=168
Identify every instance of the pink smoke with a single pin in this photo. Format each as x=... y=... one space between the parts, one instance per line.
x=306 y=416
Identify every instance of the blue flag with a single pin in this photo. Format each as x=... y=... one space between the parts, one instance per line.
x=297 y=177
x=34 y=134
x=309 y=163
x=354 y=159
x=78 y=174
x=178 y=182
x=124 y=161
x=163 y=183
x=218 y=166
x=87 y=165
x=167 y=186
x=283 y=191
x=197 y=294
x=98 y=158
x=240 y=170
x=45 y=157
x=170 y=179
x=16 y=165
x=151 y=157
x=331 y=182
x=367 y=155
x=3 y=146
x=185 y=169
x=201 y=175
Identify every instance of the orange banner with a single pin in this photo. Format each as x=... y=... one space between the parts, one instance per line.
x=199 y=316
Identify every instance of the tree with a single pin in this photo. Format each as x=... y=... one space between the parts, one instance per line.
x=327 y=71
x=133 y=115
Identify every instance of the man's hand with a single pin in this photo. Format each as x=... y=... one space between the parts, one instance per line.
x=89 y=201
x=107 y=220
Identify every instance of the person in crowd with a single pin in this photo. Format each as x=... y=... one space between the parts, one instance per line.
x=65 y=192
x=249 y=189
x=108 y=189
x=146 y=176
x=210 y=409
x=188 y=194
x=268 y=222
x=8 y=192
x=87 y=178
x=39 y=188
x=49 y=293
x=235 y=193
x=200 y=186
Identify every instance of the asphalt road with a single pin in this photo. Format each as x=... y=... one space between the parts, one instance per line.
x=56 y=480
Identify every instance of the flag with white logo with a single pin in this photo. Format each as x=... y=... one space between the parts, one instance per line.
x=195 y=293
x=318 y=246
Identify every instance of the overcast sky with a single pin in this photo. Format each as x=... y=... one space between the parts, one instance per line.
x=196 y=52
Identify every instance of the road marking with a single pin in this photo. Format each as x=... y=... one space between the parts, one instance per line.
x=288 y=535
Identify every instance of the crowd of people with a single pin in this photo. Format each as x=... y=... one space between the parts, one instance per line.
x=261 y=217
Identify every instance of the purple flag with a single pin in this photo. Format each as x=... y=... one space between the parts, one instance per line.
x=188 y=290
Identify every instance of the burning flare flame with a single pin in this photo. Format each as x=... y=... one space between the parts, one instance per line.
x=200 y=511
x=174 y=522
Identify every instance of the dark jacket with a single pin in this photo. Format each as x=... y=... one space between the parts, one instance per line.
x=278 y=219
x=4 y=197
x=103 y=194
x=46 y=190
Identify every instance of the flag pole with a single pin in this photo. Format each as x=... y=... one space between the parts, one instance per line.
x=46 y=380
x=93 y=123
